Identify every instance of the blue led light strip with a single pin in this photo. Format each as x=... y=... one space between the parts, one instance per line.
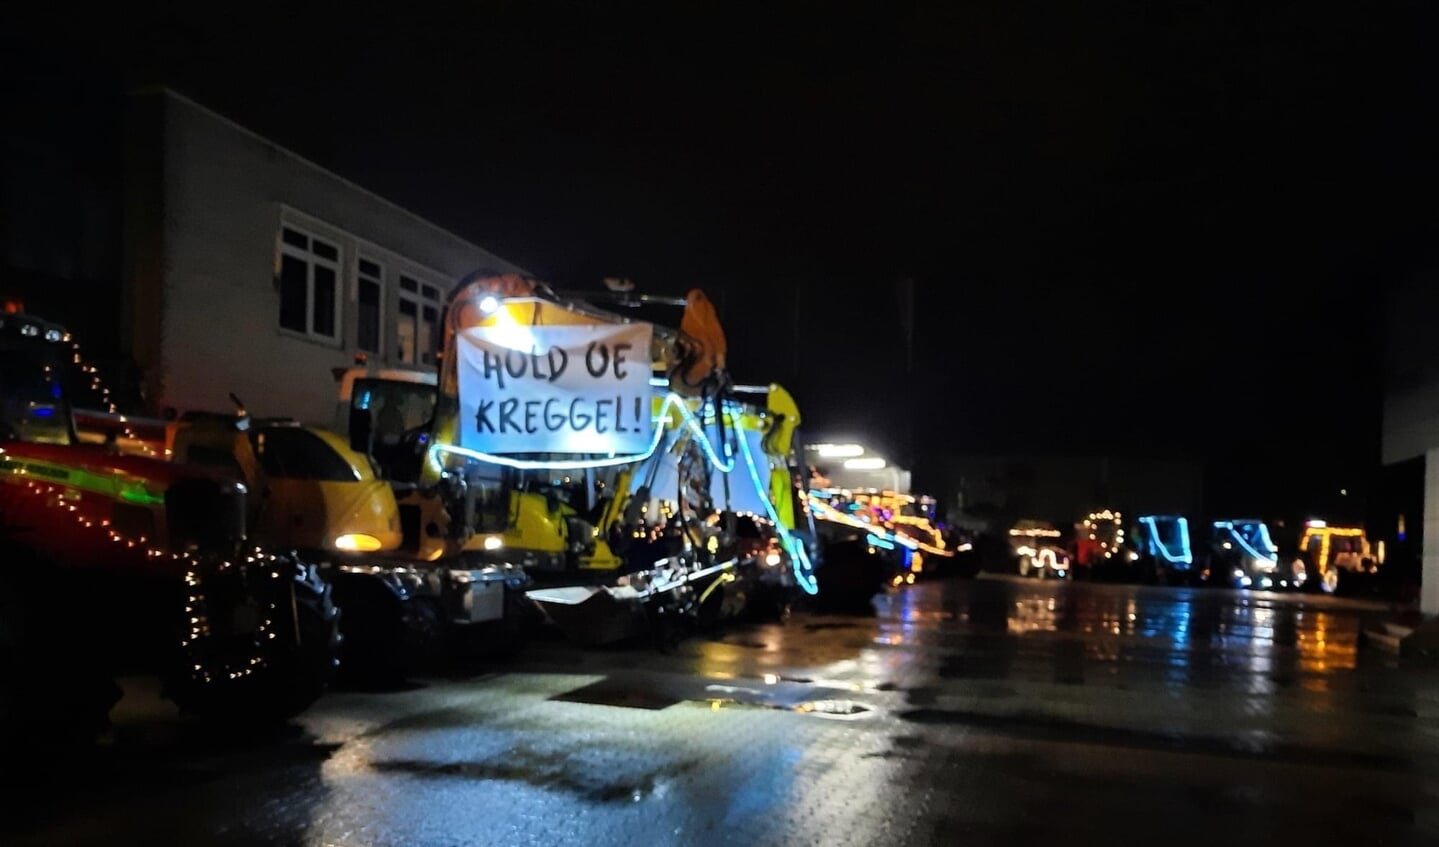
x=1186 y=557
x=799 y=558
x=1229 y=525
x=876 y=541
x=671 y=401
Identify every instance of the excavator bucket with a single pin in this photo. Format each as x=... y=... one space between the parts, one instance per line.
x=702 y=346
x=590 y=614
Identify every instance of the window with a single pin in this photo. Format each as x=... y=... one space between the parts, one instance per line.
x=309 y=285
x=299 y=454
x=370 y=284
x=419 y=319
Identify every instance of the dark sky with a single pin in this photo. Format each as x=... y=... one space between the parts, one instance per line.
x=1131 y=227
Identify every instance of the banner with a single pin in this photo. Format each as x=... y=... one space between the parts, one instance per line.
x=555 y=389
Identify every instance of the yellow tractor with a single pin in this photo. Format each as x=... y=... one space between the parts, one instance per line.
x=311 y=492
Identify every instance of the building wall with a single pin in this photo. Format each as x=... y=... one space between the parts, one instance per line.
x=1410 y=431
x=226 y=194
x=1411 y=369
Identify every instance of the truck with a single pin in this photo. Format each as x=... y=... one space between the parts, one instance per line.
x=118 y=563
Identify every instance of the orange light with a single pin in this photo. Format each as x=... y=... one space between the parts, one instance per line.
x=14 y=306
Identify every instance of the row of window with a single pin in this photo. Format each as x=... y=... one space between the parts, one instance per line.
x=311 y=302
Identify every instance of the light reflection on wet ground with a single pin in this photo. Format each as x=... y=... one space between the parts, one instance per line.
x=985 y=712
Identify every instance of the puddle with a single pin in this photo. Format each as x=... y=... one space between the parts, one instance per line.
x=835 y=709
x=550 y=771
x=611 y=692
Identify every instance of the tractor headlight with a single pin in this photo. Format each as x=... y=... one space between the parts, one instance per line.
x=357 y=542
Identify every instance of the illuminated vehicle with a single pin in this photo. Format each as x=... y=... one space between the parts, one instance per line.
x=1099 y=546
x=1243 y=555
x=118 y=561
x=1335 y=557
x=910 y=516
x=320 y=497
x=516 y=459
x=860 y=557
x=1161 y=550
x=1037 y=550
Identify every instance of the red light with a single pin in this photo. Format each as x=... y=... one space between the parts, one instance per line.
x=14 y=306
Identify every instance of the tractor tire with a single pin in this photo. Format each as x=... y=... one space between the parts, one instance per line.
x=290 y=667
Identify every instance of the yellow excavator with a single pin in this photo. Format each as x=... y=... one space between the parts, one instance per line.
x=581 y=446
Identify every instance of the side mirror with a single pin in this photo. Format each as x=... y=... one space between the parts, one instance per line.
x=552 y=501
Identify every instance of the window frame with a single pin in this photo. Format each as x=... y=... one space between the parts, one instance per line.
x=420 y=300
x=381 y=306
x=313 y=260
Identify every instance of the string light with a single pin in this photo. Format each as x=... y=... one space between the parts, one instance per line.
x=96 y=383
x=799 y=558
x=203 y=669
x=1185 y=556
x=1244 y=543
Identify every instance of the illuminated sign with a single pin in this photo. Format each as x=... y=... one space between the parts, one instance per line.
x=555 y=389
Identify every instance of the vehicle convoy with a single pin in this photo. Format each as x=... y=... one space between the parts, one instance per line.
x=586 y=450
x=119 y=563
x=1336 y=558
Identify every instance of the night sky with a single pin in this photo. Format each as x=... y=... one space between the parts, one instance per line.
x=1131 y=228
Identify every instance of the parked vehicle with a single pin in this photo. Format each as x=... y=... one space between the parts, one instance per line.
x=1242 y=554
x=1162 y=551
x=1038 y=551
x=1336 y=558
x=610 y=552
x=118 y=563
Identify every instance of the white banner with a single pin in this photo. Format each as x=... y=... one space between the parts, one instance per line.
x=555 y=389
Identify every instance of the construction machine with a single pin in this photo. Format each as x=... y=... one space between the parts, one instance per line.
x=583 y=447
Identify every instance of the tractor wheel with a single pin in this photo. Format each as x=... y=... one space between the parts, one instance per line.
x=239 y=675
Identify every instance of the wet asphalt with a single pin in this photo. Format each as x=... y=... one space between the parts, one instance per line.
x=991 y=711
